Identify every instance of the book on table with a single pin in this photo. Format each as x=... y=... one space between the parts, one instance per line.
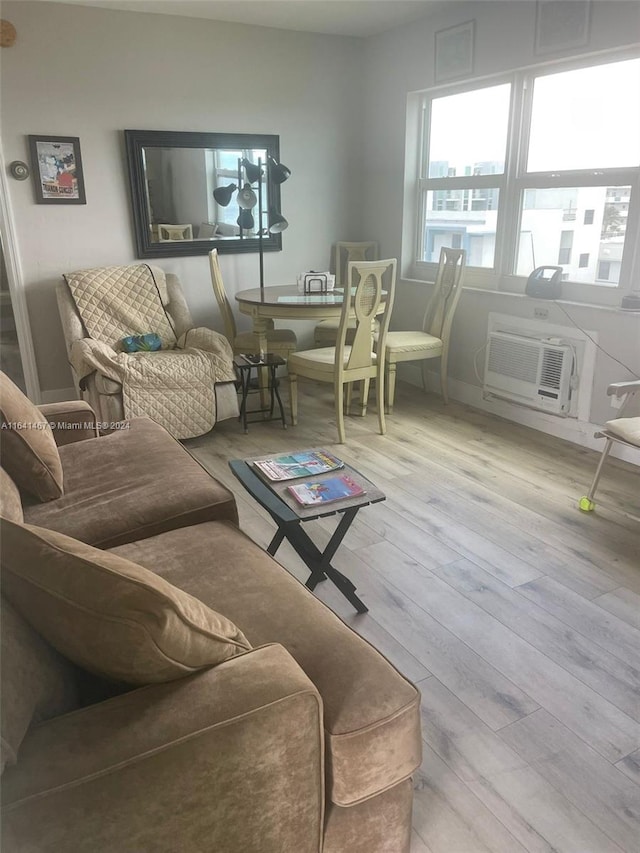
x=307 y=463
x=318 y=492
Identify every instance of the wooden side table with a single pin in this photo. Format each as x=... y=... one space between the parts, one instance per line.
x=244 y=364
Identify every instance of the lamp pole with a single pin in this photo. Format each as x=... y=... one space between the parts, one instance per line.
x=260 y=226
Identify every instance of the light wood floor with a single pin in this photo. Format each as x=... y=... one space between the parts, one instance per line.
x=517 y=616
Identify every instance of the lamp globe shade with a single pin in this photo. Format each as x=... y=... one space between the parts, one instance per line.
x=253 y=172
x=223 y=194
x=247 y=198
x=279 y=172
x=245 y=220
x=277 y=222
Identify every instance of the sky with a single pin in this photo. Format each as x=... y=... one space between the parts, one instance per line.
x=581 y=119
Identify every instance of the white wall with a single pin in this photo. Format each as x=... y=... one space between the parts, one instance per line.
x=401 y=61
x=91 y=73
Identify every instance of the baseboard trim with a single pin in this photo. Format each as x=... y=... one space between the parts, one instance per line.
x=577 y=432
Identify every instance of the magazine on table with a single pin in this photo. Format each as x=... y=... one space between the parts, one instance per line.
x=307 y=463
x=325 y=491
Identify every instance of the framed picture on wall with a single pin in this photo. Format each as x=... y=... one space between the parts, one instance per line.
x=57 y=169
x=454 y=52
x=561 y=25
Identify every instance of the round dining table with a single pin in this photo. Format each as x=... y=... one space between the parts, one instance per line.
x=286 y=302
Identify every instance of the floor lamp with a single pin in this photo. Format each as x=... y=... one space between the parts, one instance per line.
x=247 y=200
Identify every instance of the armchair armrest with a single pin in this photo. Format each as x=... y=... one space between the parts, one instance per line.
x=73 y=420
x=622 y=388
x=177 y=306
x=233 y=755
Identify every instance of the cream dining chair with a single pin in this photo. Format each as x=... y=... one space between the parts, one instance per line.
x=280 y=342
x=622 y=430
x=369 y=283
x=326 y=331
x=433 y=340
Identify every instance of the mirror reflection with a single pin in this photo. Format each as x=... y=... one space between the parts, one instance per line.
x=180 y=185
x=192 y=192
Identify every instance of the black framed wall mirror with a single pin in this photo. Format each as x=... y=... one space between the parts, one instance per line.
x=173 y=176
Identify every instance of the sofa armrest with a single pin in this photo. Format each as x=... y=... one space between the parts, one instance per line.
x=73 y=420
x=233 y=755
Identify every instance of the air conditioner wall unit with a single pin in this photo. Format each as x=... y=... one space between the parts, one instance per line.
x=529 y=371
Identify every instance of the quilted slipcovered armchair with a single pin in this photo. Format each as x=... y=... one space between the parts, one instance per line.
x=103 y=393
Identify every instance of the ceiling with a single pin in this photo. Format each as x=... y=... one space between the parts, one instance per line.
x=359 y=18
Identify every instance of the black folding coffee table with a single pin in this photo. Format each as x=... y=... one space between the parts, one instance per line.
x=288 y=514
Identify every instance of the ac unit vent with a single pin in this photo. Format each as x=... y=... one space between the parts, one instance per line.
x=529 y=371
x=551 y=372
x=514 y=357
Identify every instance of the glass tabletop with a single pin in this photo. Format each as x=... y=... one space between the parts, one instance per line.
x=288 y=294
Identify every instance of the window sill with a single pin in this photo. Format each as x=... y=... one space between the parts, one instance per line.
x=486 y=291
x=574 y=303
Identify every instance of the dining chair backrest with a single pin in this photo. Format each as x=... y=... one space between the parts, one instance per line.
x=369 y=284
x=228 y=319
x=346 y=252
x=446 y=293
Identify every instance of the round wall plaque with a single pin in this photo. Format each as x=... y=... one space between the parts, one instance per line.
x=19 y=170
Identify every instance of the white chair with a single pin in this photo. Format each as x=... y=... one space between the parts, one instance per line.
x=621 y=429
x=326 y=332
x=167 y=233
x=369 y=283
x=433 y=340
x=280 y=342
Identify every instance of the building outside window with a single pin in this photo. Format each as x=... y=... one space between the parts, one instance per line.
x=566 y=242
x=515 y=171
x=604 y=268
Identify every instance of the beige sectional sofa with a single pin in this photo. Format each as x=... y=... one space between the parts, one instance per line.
x=298 y=736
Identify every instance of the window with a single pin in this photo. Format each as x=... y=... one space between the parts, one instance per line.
x=542 y=217
x=566 y=243
x=532 y=175
x=467 y=168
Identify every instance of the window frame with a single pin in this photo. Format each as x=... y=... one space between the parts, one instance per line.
x=515 y=181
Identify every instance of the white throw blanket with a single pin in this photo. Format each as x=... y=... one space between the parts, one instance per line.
x=174 y=386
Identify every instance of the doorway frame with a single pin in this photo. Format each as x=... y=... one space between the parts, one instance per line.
x=15 y=280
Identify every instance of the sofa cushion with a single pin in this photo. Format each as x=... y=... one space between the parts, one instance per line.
x=37 y=682
x=134 y=483
x=10 y=503
x=371 y=713
x=108 y=615
x=28 y=449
